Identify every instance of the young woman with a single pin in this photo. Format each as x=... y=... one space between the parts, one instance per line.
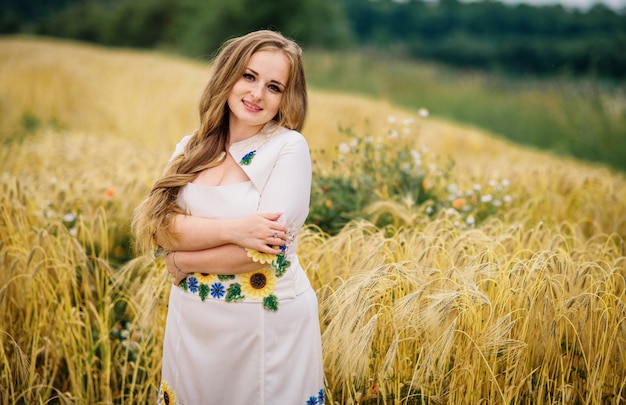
x=242 y=324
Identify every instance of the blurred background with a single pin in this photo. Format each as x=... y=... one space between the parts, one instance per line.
x=545 y=73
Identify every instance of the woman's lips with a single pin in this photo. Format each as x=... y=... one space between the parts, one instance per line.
x=252 y=106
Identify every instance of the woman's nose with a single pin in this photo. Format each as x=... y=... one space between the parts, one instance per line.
x=256 y=91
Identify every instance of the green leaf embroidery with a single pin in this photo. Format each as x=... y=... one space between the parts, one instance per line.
x=270 y=303
x=280 y=265
x=233 y=294
x=203 y=291
x=247 y=158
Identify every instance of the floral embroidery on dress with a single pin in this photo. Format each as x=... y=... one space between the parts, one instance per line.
x=247 y=158
x=192 y=284
x=204 y=278
x=316 y=400
x=248 y=148
x=217 y=290
x=166 y=396
x=260 y=257
x=256 y=285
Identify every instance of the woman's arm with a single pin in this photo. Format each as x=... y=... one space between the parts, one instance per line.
x=225 y=259
x=259 y=232
x=288 y=188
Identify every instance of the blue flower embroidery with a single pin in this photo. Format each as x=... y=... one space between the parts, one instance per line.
x=192 y=284
x=247 y=158
x=312 y=401
x=217 y=290
x=320 y=396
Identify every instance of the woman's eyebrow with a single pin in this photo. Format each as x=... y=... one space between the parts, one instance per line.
x=271 y=81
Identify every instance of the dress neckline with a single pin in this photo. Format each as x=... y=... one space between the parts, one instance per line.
x=219 y=185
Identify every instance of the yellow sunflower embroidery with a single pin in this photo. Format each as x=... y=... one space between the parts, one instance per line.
x=263 y=258
x=258 y=284
x=205 y=278
x=168 y=397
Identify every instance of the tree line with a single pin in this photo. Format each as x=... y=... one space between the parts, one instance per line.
x=483 y=34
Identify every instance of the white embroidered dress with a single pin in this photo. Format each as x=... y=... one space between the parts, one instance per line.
x=252 y=338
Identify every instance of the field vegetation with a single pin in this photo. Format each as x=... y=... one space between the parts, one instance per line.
x=579 y=117
x=547 y=76
x=475 y=271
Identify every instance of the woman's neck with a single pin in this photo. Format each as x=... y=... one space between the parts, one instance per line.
x=240 y=133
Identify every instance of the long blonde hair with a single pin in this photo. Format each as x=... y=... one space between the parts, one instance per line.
x=207 y=144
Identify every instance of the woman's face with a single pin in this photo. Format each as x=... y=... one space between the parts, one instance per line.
x=255 y=98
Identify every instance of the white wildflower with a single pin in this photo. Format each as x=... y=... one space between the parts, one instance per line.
x=69 y=217
x=344 y=148
x=417 y=157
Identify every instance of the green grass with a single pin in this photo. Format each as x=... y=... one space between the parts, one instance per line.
x=584 y=119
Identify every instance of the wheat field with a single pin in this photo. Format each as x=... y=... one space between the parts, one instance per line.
x=528 y=307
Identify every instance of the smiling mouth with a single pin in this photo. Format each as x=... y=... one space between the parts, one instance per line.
x=251 y=106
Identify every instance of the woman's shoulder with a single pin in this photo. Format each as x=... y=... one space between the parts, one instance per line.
x=285 y=136
x=180 y=146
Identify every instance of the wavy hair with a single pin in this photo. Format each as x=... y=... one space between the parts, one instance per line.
x=207 y=143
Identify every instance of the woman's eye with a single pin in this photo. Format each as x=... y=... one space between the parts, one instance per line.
x=274 y=88
x=248 y=76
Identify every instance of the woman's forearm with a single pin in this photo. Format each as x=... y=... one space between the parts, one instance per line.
x=195 y=233
x=225 y=259
x=258 y=231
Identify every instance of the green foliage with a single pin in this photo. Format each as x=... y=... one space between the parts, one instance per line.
x=388 y=182
x=192 y=27
x=201 y=26
x=121 y=23
x=495 y=36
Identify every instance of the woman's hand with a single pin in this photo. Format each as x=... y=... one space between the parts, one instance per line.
x=260 y=232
